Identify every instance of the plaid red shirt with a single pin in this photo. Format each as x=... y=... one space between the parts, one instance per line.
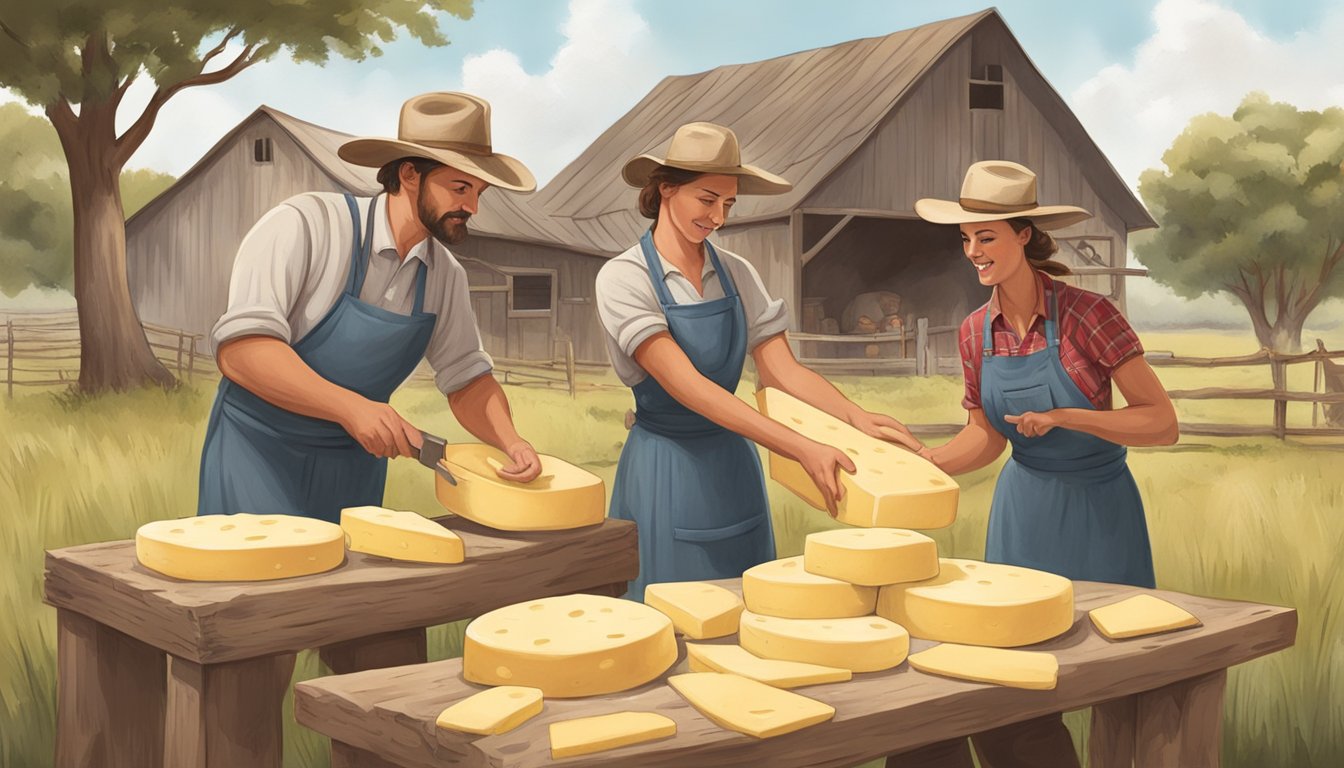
x=1094 y=339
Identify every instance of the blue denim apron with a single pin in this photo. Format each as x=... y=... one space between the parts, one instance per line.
x=1065 y=502
x=694 y=489
x=261 y=458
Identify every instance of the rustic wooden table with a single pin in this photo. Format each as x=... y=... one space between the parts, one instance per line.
x=1157 y=701
x=154 y=671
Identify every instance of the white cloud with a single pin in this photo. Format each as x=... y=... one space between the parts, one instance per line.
x=607 y=62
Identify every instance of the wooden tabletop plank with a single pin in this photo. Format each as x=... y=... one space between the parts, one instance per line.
x=211 y=622
x=392 y=712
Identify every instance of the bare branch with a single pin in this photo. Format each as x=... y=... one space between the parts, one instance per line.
x=12 y=35
x=218 y=49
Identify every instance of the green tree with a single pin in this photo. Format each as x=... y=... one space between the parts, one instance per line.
x=1252 y=204
x=59 y=54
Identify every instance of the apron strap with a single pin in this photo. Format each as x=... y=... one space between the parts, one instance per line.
x=1052 y=319
x=419 y=308
x=655 y=270
x=363 y=247
x=987 y=335
x=725 y=279
x=352 y=279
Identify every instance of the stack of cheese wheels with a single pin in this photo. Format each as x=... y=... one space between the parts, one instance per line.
x=242 y=547
x=563 y=496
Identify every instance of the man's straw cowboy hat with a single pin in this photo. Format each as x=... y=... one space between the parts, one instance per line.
x=706 y=148
x=994 y=190
x=452 y=128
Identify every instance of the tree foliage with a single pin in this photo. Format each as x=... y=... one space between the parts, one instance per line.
x=1252 y=204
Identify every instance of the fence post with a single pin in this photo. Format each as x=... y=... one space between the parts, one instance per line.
x=922 y=346
x=9 y=357
x=191 y=357
x=569 y=368
x=179 y=353
x=1279 y=376
x=1317 y=382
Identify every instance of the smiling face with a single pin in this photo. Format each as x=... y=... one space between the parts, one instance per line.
x=995 y=250
x=447 y=199
x=699 y=206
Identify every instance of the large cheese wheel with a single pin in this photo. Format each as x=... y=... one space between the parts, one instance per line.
x=871 y=556
x=784 y=588
x=861 y=644
x=241 y=547
x=563 y=496
x=747 y=706
x=975 y=603
x=568 y=646
x=698 y=610
x=893 y=487
x=400 y=535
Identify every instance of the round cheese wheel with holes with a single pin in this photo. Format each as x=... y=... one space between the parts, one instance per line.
x=241 y=547
x=859 y=644
x=569 y=646
x=785 y=589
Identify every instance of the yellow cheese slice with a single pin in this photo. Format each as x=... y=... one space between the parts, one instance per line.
x=564 y=496
x=871 y=556
x=1140 y=615
x=736 y=660
x=978 y=603
x=492 y=711
x=747 y=706
x=241 y=547
x=568 y=646
x=893 y=487
x=698 y=610
x=586 y=735
x=784 y=588
x=862 y=644
x=1015 y=669
x=400 y=535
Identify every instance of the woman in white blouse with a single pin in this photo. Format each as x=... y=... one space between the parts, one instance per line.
x=680 y=316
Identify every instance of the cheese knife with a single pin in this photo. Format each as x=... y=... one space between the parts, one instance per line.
x=431 y=455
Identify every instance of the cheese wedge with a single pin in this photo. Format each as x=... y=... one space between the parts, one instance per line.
x=736 y=660
x=871 y=556
x=862 y=644
x=586 y=735
x=978 y=603
x=399 y=535
x=1016 y=669
x=568 y=646
x=494 y=710
x=241 y=547
x=698 y=610
x=747 y=706
x=564 y=496
x=785 y=589
x=1140 y=615
x=893 y=487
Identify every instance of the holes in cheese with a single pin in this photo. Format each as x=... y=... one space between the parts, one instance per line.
x=893 y=488
x=871 y=556
x=400 y=535
x=698 y=610
x=566 y=656
x=586 y=735
x=564 y=496
x=492 y=711
x=748 y=706
x=241 y=547
x=860 y=644
x=1140 y=615
x=1015 y=669
x=784 y=588
x=736 y=660
x=978 y=603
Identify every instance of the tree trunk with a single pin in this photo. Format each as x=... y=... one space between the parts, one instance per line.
x=1286 y=335
x=114 y=352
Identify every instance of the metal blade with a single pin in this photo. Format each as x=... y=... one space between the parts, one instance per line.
x=431 y=455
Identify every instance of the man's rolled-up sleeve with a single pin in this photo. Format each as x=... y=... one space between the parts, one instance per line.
x=268 y=275
x=455 y=351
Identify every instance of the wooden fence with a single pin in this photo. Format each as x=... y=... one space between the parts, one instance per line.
x=897 y=353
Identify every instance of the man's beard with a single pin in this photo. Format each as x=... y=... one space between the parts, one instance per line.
x=449 y=229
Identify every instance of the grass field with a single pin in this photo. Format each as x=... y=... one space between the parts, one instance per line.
x=1254 y=519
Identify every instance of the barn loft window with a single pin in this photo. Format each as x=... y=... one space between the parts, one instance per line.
x=261 y=150
x=531 y=295
x=986 y=91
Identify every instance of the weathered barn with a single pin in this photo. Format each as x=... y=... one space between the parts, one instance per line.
x=532 y=277
x=863 y=129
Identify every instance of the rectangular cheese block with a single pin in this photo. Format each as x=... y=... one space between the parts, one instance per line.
x=492 y=711
x=871 y=556
x=1016 y=669
x=1140 y=615
x=241 y=547
x=748 y=706
x=736 y=660
x=400 y=535
x=698 y=610
x=586 y=735
x=563 y=496
x=893 y=487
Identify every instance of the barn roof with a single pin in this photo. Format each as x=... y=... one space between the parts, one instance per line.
x=800 y=116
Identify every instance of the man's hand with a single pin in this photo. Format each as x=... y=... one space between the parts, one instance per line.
x=524 y=465
x=1033 y=424
x=381 y=430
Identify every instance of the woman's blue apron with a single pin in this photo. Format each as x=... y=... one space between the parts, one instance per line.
x=261 y=458
x=1065 y=502
x=694 y=489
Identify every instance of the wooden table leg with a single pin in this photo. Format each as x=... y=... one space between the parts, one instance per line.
x=110 y=696
x=1181 y=724
x=389 y=649
x=345 y=756
x=1110 y=743
x=222 y=715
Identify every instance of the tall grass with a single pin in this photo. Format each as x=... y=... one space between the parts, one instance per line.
x=1259 y=520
